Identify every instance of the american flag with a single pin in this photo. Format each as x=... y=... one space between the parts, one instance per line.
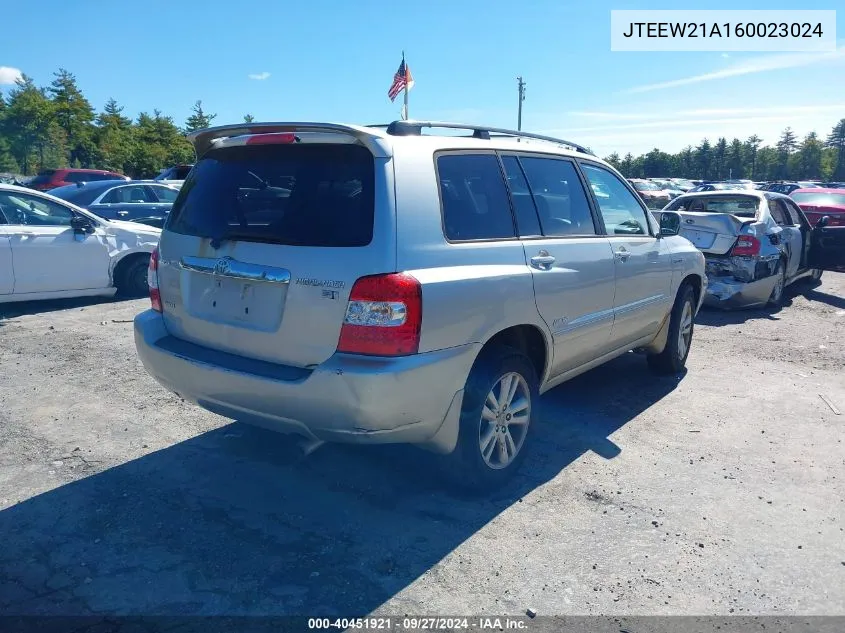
x=402 y=80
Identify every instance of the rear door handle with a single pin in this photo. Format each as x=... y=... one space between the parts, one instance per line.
x=543 y=261
x=622 y=254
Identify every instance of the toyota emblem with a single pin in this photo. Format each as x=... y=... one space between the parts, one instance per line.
x=221 y=266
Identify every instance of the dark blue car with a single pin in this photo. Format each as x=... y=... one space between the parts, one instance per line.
x=132 y=200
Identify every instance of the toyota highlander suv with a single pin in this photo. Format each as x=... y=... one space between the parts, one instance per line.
x=380 y=284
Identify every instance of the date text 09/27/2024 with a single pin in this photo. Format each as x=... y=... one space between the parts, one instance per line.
x=418 y=623
x=724 y=30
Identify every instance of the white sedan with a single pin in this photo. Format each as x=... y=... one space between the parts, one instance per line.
x=51 y=249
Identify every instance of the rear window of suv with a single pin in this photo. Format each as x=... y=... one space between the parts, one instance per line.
x=298 y=195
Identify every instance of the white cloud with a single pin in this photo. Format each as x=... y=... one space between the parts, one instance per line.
x=750 y=66
x=9 y=75
x=259 y=76
x=725 y=55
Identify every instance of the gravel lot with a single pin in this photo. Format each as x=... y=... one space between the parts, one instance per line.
x=719 y=492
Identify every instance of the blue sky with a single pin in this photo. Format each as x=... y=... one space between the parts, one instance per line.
x=334 y=60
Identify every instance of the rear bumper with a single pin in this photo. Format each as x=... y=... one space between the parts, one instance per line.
x=728 y=292
x=348 y=398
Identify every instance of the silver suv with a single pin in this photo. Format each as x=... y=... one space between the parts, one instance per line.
x=378 y=284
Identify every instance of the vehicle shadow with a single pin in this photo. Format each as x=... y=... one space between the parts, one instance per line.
x=824 y=297
x=718 y=317
x=237 y=522
x=25 y=308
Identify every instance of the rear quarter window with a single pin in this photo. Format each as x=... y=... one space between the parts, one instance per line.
x=474 y=198
x=299 y=195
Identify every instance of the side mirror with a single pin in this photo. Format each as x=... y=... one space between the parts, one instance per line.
x=825 y=220
x=670 y=223
x=81 y=224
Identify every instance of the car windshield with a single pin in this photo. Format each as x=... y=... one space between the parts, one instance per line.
x=820 y=199
x=740 y=206
x=299 y=195
x=646 y=186
x=80 y=196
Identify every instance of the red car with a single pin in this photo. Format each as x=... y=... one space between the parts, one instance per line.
x=818 y=202
x=51 y=178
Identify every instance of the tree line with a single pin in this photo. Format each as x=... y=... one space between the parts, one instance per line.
x=56 y=126
x=811 y=158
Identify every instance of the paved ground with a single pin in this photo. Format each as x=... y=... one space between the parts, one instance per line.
x=719 y=492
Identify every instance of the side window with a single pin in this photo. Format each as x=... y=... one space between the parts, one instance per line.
x=794 y=213
x=560 y=198
x=620 y=210
x=133 y=194
x=779 y=214
x=75 y=176
x=20 y=208
x=523 y=205
x=474 y=197
x=165 y=194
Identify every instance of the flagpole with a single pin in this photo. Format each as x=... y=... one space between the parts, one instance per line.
x=405 y=66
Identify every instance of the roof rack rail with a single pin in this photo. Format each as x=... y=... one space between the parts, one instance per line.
x=414 y=128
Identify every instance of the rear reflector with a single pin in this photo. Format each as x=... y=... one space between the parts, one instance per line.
x=152 y=282
x=383 y=316
x=746 y=245
x=280 y=138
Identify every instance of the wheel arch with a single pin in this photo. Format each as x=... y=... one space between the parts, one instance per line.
x=527 y=338
x=126 y=258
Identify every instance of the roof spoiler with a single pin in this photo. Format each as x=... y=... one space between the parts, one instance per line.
x=203 y=140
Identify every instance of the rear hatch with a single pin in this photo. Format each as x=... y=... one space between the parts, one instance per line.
x=713 y=222
x=265 y=242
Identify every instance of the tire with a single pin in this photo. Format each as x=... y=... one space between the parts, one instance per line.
x=132 y=280
x=673 y=358
x=778 y=292
x=490 y=451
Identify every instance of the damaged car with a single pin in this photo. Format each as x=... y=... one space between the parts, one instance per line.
x=52 y=249
x=755 y=244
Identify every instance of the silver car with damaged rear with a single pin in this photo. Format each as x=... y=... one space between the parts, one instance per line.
x=378 y=284
x=756 y=243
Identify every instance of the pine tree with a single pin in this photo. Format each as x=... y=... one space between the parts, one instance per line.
x=753 y=145
x=199 y=120
x=114 y=138
x=735 y=159
x=74 y=115
x=28 y=123
x=720 y=153
x=809 y=157
x=836 y=141
x=787 y=144
x=704 y=159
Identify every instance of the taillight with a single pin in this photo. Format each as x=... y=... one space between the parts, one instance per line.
x=275 y=138
x=746 y=245
x=152 y=281
x=383 y=316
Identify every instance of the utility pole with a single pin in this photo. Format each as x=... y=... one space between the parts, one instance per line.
x=521 y=85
